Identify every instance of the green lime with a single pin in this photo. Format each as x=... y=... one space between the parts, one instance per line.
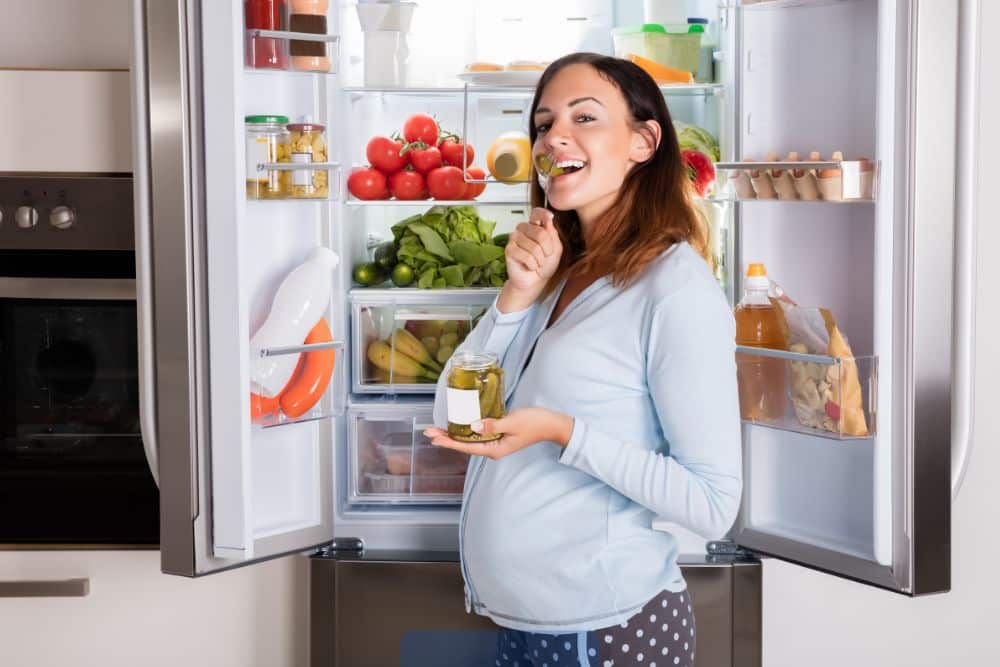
x=402 y=275
x=385 y=255
x=368 y=274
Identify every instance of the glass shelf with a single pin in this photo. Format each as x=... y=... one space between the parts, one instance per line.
x=425 y=203
x=829 y=397
x=681 y=89
x=780 y=4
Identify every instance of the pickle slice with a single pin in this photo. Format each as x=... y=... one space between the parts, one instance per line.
x=461 y=378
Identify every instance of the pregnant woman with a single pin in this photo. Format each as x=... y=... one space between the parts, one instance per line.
x=618 y=350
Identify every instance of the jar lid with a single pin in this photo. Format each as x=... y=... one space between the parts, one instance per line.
x=266 y=119
x=306 y=127
x=474 y=361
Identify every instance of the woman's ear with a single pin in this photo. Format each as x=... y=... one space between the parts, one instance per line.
x=645 y=141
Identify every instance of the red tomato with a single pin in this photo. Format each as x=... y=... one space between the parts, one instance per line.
x=473 y=190
x=408 y=185
x=451 y=152
x=384 y=154
x=421 y=127
x=367 y=183
x=425 y=159
x=446 y=183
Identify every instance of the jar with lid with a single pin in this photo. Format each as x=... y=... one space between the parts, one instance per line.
x=308 y=144
x=475 y=391
x=309 y=16
x=267 y=140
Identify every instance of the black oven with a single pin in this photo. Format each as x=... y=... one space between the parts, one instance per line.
x=73 y=471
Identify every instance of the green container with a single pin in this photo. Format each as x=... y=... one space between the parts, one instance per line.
x=676 y=47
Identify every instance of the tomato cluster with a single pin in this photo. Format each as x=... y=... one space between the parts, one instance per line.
x=425 y=162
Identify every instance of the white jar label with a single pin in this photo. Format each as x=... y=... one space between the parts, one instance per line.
x=256 y=154
x=302 y=177
x=463 y=406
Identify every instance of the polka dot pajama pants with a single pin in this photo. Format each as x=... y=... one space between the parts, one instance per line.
x=661 y=635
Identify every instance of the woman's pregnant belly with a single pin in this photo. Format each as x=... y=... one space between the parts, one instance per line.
x=535 y=536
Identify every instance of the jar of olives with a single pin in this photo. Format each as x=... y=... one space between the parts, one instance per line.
x=267 y=141
x=475 y=391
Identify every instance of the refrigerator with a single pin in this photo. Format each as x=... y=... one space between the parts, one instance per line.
x=350 y=484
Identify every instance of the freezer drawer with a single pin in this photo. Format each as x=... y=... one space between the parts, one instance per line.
x=408 y=609
x=401 y=339
x=391 y=462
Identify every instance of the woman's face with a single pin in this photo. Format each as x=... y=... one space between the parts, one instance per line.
x=583 y=122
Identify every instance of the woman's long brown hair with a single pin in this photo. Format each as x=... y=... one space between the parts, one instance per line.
x=654 y=207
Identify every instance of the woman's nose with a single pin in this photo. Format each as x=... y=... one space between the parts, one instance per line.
x=557 y=136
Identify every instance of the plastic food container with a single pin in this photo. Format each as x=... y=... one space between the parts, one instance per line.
x=422 y=459
x=475 y=391
x=267 y=140
x=308 y=144
x=674 y=47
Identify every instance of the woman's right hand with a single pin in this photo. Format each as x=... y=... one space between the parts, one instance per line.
x=532 y=254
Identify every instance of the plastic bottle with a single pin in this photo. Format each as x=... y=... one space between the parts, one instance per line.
x=761 y=379
x=300 y=301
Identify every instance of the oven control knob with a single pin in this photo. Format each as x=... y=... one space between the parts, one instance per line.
x=26 y=217
x=62 y=217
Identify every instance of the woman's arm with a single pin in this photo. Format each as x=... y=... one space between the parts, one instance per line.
x=691 y=373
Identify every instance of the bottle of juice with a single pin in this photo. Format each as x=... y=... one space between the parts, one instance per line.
x=761 y=379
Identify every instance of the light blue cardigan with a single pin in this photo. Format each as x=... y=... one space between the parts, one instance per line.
x=556 y=540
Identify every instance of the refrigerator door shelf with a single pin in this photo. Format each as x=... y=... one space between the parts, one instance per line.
x=844 y=181
x=779 y=4
x=270 y=51
x=433 y=322
x=391 y=462
x=821 y=396
x=303 y=387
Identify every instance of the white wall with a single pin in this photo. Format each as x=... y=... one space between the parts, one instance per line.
x=817 y=620
x=65 y=34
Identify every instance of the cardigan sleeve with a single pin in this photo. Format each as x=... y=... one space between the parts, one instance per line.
x=691 y=375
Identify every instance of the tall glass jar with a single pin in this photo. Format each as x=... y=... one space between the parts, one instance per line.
x=308 y=144
x=267 y=141
x=475 y=391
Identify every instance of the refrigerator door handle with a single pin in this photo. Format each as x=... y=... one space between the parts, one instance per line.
x=143 y=250
x=966 y=187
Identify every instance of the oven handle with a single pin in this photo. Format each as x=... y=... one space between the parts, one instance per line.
x=97 y=289
x=143 y=243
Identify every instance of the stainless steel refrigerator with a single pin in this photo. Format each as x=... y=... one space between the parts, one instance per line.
x=891 y=81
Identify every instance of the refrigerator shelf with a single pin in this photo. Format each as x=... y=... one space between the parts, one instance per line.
x=852 y=180
x=675 y=89
x=814 y=394
x=780 y=4
x=425 y=203
x=328 y=191
x=270 y=413
x=269 y=51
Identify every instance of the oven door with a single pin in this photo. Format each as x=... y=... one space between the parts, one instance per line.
x=72 y=467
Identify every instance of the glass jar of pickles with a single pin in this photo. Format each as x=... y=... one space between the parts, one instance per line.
x=475 y=391
x=267 y=141
x=308 y=144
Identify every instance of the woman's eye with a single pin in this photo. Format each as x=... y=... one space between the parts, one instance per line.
x=584 y=118
x=542 y=129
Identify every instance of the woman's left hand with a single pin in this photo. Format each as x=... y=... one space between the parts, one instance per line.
x=521 y=428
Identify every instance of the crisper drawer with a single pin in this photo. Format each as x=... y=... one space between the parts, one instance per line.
x=391 y=462
x=402 y=338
